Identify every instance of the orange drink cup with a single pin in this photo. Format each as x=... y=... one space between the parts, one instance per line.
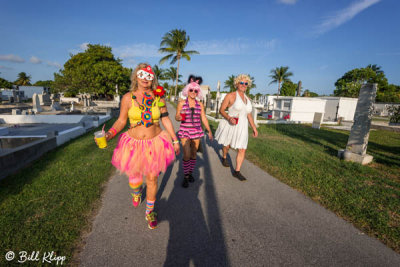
x=101 y=139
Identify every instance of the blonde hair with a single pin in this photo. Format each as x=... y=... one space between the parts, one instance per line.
x=242 y=77
x=134 y=82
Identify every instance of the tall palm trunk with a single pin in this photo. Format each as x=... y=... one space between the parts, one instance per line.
x=279 y=88
x=177 y=75
x=170 y=91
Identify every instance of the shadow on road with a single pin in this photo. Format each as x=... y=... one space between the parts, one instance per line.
x=196 y=234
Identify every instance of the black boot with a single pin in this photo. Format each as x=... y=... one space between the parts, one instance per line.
x=185 y=183
x=191 y=178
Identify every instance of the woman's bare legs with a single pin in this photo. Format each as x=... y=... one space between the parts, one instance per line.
x=225 y=151
x=151 y=192
x=151 y=187
x=240 y=158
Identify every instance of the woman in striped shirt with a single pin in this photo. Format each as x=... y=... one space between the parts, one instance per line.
x=191 y=114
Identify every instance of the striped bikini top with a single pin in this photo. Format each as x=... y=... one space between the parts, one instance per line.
x=193 y=115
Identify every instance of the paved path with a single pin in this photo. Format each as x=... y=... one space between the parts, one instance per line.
x=220 y=221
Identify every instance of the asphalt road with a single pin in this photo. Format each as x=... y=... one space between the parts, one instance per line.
x=220 y=221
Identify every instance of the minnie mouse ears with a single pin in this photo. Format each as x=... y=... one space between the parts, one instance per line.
x=195 y=79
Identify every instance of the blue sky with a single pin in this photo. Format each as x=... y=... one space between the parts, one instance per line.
x=319 y=40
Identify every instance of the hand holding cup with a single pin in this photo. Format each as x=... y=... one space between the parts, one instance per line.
x=100 y=139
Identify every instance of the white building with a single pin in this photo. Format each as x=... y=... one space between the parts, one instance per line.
x=270 y=102
x=30 y=90
x=337 y=107
x=300 y=109
x=7 y=94
x=381 y=109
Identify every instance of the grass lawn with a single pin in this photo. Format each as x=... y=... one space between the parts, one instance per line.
x=46 y=206
x=306 y=159
x=380 y=119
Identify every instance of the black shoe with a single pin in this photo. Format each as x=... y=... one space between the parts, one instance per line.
x=225 y=162
x=185 y=183
x=238 y=175
x=191 y=178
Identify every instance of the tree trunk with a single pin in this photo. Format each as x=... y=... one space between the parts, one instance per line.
x=177 y=75
x=299 y=89
x=279 y=88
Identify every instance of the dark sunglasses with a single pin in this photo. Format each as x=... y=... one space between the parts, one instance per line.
x=244 y=83
x=191 y=90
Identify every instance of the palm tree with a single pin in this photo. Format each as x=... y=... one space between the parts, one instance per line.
x=23 y=79
x=376 y=68
x=170 y=74
x=230 y=83
x=253 y=85
x=159 y=73
x=280 y=75
x=174 y=43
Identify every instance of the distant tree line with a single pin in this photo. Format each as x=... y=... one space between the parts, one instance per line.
x=350 y=83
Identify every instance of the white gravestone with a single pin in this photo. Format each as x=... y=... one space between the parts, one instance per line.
x=15 y=111
x=36 y=104
x=356 y=149
x=317 y=121
x=55 y=106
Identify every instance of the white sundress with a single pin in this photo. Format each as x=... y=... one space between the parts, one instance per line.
x=236 y=136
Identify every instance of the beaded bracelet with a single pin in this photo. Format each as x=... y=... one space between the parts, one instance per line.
x=175 y=142
x=113 y=132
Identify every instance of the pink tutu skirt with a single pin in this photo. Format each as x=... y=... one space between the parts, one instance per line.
x=142 y=157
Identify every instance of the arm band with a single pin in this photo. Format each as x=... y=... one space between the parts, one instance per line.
x=165 y=114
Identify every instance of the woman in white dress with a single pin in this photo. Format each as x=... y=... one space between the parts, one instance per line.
x=233 y=131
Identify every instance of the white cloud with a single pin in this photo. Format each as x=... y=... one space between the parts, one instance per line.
x=137 y=50
x=210 y=47
x=5 y=68
x=343 y=16
x=323 y=67
x=35 y=60
x=232 y=46
x=288 y=2
x=12 y=58
x=53 y=64
x=83 y=46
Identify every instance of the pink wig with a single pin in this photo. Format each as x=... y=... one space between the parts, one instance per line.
x=195 y=85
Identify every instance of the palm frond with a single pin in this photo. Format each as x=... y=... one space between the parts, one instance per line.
x=166 y=58
x=186 y=56
x=174 y=59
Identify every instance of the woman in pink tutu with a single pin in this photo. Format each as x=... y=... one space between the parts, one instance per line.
x=145 y=149
x=191 y=114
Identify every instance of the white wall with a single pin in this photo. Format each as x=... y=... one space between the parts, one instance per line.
x=270 y=102
x=21 y=119
x=347 y=108
x=64 y=99
x=303 y=108
x=69 y=134
x=30 y=90
x=330 y=109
